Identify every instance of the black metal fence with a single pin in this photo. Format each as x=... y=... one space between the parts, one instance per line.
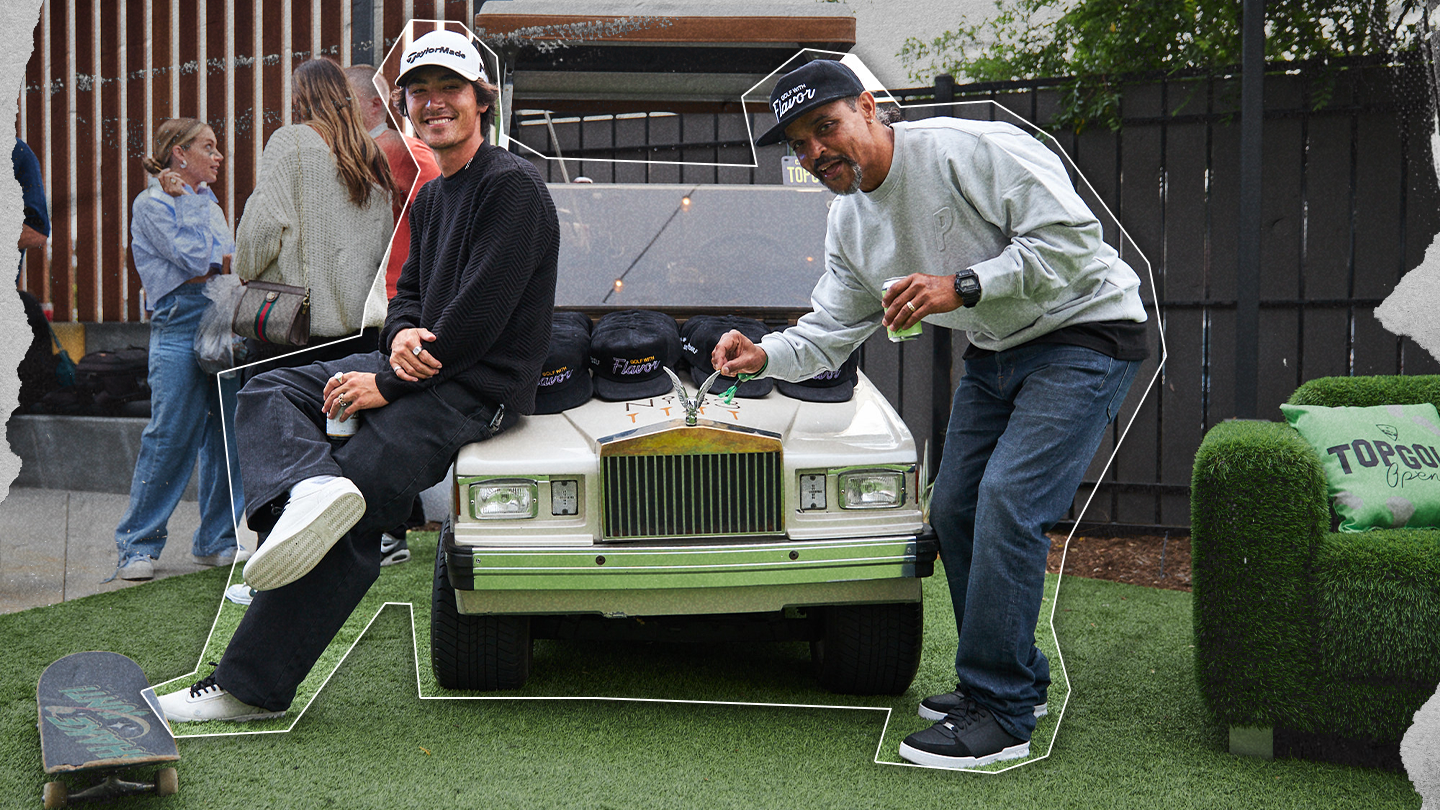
x=1350 y=204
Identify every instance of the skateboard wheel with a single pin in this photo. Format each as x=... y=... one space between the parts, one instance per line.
x=55 y=795
x=167 y=782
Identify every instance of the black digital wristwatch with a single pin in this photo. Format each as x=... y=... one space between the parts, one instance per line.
x=967 y=286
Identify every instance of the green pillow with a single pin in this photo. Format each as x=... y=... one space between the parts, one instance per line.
x=1382 y=463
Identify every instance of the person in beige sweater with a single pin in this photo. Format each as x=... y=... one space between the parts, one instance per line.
x=320 y=214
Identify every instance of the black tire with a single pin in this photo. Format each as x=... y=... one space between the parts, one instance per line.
x=474 y=652
x=869 y=649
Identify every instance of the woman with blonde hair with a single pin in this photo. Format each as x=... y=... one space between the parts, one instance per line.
x=320 y=214
x=179 y=237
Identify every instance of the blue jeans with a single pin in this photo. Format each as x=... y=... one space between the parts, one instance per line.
x=185 y=420
x=1024 y=426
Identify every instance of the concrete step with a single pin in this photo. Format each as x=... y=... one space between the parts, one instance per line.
x=80 y=453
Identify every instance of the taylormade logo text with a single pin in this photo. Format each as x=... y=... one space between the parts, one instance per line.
x=410 y=58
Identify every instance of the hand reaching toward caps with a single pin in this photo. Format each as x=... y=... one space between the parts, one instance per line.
x=736 y=354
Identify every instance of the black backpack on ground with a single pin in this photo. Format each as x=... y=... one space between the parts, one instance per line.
x=114 y=378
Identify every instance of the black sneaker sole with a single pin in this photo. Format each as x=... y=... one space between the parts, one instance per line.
x=395 y=558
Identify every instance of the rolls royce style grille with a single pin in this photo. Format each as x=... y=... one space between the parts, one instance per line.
x=692 y=495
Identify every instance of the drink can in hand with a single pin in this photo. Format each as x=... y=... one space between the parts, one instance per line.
x=901 y=335
x=339 y=431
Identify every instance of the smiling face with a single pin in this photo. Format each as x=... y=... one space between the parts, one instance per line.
x=443 y=107
x=201 y=159
x=845 y=147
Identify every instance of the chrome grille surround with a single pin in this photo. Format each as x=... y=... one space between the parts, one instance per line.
x=703 y=481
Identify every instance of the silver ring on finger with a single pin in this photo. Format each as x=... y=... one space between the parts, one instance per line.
x=416 y=351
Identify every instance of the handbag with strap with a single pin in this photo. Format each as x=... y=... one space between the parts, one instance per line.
x=276 y=313
x=273 y=313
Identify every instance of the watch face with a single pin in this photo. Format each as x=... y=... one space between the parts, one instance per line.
x=967 y=286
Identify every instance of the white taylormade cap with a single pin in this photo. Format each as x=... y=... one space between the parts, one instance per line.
x=447 y=49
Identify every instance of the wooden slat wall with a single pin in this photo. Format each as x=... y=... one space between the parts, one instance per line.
x=103 y=74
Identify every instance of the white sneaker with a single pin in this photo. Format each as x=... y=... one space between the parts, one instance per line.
x=306 y=531
x=240 y=593
x=207 y=701
x=222 y=557
x=137 y=568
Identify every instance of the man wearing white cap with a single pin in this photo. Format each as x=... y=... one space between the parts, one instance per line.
x=985 y=232
x=465 y=337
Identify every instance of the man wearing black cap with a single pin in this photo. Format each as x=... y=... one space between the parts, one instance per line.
x=987 y=234
x=464 y=339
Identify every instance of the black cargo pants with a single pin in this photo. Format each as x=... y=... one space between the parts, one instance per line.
x=399 y=450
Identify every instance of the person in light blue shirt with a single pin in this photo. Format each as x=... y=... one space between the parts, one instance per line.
x=179 y=237
x=35 y=230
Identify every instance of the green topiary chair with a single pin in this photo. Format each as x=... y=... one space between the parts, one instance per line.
x=1300 y=630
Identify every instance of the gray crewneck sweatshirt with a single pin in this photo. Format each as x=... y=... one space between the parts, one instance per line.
x=960 y=193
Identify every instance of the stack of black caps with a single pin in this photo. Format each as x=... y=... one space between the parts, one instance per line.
x=698 y=338
x=565 y=377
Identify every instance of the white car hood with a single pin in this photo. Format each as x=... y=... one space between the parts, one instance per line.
x=865 y=430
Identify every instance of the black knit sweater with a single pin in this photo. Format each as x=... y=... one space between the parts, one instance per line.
x=481 y=276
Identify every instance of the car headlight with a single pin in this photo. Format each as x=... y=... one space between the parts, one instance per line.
x=872 y=489
x=500 y=500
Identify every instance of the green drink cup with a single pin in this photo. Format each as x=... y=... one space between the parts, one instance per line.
x=904 y=334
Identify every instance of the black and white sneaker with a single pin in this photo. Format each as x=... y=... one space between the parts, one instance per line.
x=207 y=701
x=968 y=737
x=936 y=707
x=394 y=549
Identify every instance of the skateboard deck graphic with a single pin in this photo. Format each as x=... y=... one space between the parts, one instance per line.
x=99 y=715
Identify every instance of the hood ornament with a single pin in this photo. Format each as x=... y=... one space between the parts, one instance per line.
x=692 y=409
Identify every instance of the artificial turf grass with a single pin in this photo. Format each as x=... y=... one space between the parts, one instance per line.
x=1131 y=738
x=773 y=673
x=1364 y=392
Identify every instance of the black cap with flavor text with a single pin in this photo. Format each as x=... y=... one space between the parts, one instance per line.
x=565 y=377
x=628 y=352
x=827 y=386
x=803 y=89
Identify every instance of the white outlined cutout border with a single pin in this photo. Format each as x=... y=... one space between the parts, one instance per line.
x=1155 y=312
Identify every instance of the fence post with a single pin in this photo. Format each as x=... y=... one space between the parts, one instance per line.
x=1247 y=268
x=941 y=358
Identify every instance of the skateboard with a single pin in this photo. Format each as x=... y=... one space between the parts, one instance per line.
x=99 y=717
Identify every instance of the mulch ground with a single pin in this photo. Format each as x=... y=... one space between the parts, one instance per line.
x=1154 y=561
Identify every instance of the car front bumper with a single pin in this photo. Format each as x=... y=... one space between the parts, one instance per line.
x=616 y=580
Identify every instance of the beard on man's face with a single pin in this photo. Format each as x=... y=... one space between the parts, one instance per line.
x=855 y=176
